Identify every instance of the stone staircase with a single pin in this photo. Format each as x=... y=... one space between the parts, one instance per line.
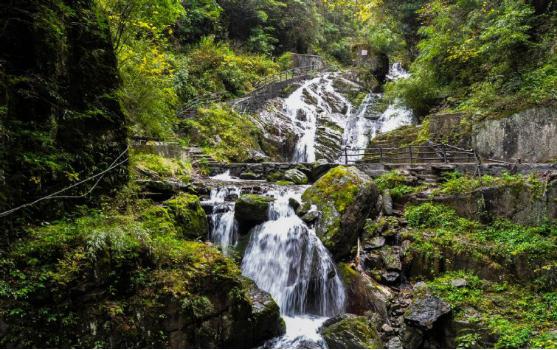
x=197 y=156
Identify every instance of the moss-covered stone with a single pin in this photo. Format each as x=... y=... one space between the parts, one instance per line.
x=189 y=216
x=296 y=176
x=252 y=209
x=345 y=197
x=352 y=332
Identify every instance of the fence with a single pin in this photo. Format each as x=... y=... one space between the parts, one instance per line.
x=431 y=153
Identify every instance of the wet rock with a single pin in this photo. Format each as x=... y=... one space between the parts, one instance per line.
x=425 y=311
x=319 y=168
x=351 y=332
x=364 y=293
x=252 y=209
x=344 y=196
x=311 y=216
x=387 y=329
x=294 y=204
x=248 y=175
x=296 y=176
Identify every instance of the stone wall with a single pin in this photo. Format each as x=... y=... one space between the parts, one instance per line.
x=530 y=136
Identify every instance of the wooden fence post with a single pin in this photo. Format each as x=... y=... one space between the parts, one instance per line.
x=380 y=154
x=411 y=156
x=444 y=150
x=346 y=155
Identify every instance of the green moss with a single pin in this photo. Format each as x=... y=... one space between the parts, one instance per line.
x=284 y=183
x=352 y=333
x=436 y=230
x=515 y=316
x=339 y=185
x=397 y=184
x=161 y=166
x=224 y=133
x=189 y=216
x=457 y=183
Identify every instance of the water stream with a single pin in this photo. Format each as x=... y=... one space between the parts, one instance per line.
x=284 y=256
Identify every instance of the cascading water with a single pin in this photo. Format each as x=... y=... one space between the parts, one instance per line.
x=224 y=228
x=367 y=123
x=306 y=104
x=286 y=259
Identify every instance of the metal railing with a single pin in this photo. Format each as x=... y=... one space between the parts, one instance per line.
x=413 y=154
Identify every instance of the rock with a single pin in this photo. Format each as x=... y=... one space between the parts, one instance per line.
x=391 y=258
x=294 y=204
x=248 y=175
x=375 y=242
x=387 y=203
x=528 y=135
x=319 y=168
x=459 y=283
x=425 y=311
x=351 y=332
x=385 y=328
x=189 y=216
x=390 y=277
x=345 y=198
x=251 y=210
x=311 y=216
x=364 y=293
x=296 y=176
x=394 y=343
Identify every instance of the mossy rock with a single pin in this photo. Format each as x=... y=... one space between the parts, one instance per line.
x=252 y=209
x=345 y=196
x=351 y=332
x=296 y=176
x=190 y=217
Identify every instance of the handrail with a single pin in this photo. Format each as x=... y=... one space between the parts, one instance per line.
x=430 y=153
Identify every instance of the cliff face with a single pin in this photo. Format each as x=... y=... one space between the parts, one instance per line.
x=60 y=121
x=529 y=135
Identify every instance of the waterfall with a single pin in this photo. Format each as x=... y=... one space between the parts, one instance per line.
x=224 y=228
x=366 y=123
x=316 y=97
x=287 y=259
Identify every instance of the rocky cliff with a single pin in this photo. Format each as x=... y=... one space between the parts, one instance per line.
x=60 y=121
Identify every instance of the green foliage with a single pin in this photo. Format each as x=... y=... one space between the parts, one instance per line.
x=502 y=240
x=457 y=183
x=397 y=184
x=480 y=56
x=515 y=316
x=214 y=68
x=224 y=133
x=161 y=166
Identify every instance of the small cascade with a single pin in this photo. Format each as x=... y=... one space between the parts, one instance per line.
x=286 y=259
x=366 y=123
x=224 y=228
x=316 y=98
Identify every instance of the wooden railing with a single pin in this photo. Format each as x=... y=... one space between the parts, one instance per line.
x=413 y=154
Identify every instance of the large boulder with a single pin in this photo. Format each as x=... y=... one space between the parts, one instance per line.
x=351 y=332
x=252 y=210
x=364 y=293
x=426 y=322
x=190 y=218
x=345 y=197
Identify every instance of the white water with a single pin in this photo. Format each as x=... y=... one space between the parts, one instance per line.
x=225 y=177
x=303 y=107
x=224 y=232
x=286 y=259
x=365 y=124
